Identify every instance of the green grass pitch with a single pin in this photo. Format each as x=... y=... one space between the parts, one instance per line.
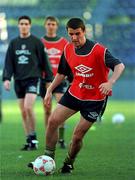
x=108 y=152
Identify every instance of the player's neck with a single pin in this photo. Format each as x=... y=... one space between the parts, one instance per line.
x=81 y=44
x=25 y=35
x=51 y=35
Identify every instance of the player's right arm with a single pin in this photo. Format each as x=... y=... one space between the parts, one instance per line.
x=7 y=85
x=8 y=67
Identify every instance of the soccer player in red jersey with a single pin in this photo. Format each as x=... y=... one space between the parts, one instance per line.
x=89 y=63
x=54 y=46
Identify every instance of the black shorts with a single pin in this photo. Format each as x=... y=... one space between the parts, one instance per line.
x=22 y=87
x=90 y=110
x=59 y=89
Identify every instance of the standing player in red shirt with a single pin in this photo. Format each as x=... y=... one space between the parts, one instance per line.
x=54 y=47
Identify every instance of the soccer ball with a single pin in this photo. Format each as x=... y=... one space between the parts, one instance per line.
x=44 y=165
x=118 y=118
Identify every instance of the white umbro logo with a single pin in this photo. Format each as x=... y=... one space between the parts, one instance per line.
x=83 y=69
x=32 y=89
x=53 y=51
x=23 y=46
x=93 y=115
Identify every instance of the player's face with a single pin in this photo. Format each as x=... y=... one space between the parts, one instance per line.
x=77 y=36
x=51 y=27
x=24 y=27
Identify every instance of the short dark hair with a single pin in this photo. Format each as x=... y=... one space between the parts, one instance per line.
x=24 y=17
x=75 y=23
x=52 y=18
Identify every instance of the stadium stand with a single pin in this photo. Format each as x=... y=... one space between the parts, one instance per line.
x=118 y=37
x=123 y=8
x=44 y=7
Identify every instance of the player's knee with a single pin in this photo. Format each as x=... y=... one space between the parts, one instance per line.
x=28 y=109
x=53 y=122
x=76 y=139
x=24 y=114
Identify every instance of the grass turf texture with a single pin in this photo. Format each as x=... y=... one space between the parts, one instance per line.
x=108 y=152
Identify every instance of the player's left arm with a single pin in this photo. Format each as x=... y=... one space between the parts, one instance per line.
x=57 y=80
x=45 y=63
x=117 y=67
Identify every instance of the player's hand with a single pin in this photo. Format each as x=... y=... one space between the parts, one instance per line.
x=105 y=88
x=48 y=99
x=7 y=85
x=48 y=84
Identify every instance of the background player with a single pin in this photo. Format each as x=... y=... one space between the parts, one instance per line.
x=25 y=60
x=54 y=46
